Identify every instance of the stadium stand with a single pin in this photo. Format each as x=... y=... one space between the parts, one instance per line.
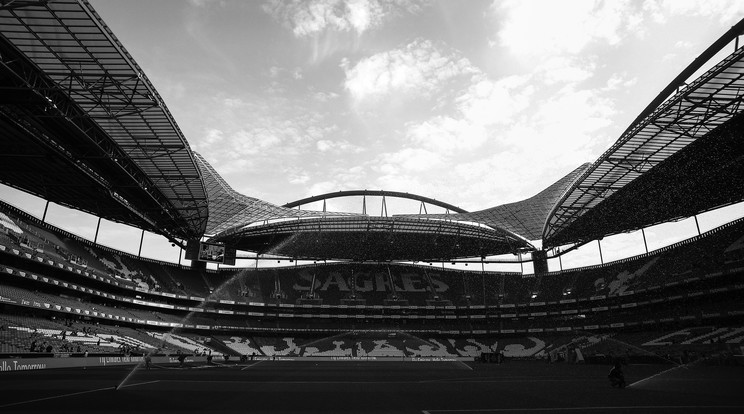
x=241 y=346
x=48 y=270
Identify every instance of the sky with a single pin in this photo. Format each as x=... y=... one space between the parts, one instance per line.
x=475 y=103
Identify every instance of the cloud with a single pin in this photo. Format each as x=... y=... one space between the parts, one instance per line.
x=235 y=150
x=501 y=177
x=311 y=17
x=277 y=72
x=323 y=187
x=514 y=134
x=296 y=175
x=408 y=159
x=212 y=137
x=342 y=146
x=417 y=68
x=445 y=133
x=617 y=81
x=724 y=10
x=489 y=102
x=241 y=131
x=258 y=140
x=545 y=27
x=207 y=3
x=563 y=127
x=429 y=119
x=340 y=178
x=551 y=118
x=558 y=69
x=484 y=105
x=325 y=97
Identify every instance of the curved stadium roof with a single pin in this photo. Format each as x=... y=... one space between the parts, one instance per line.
x=526 y=217
x=686 y=148
x=83 y=127
x=72 y=94
x=379 y=193
x=230 y=209
x=374 y=238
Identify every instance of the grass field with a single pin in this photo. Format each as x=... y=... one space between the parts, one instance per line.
x=365 y=387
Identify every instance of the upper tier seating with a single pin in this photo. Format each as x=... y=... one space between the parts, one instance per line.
x=364 y=283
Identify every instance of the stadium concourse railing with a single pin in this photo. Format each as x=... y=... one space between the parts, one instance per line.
x=533 y=302
x=28 y=217
x=584 y=269
x=651 y=253
x=289 y=305
x=603 y=313
x=502 y=310
x=79 y=239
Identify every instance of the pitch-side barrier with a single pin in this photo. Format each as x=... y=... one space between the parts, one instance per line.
x=35 y=364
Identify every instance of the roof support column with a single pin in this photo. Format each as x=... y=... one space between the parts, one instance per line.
x=697 y=225
x=483 y=282
x=521 y=266
x=644 y=240
x=142 y=238
x=599 y=243
x=98 y=226
x=46 y=207
x=423 y=206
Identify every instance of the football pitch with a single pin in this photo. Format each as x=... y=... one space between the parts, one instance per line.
x=367 y=387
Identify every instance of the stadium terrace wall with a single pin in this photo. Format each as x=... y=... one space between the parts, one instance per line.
x=164 y=310
x=62 y=232
x=214 y=274
x=595 y=313
x=379 y=346
x=651 y=253
x=8 y=365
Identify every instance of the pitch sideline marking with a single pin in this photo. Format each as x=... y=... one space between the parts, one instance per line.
x=139 y=383
x=552 y=409
x=251 y=365
x=75 y=393
x=501 y=379
x=485 y=381
x=656 y=375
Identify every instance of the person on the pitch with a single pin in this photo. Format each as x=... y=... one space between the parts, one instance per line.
x=616 y=376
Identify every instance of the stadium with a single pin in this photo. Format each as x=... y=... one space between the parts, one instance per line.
x=303 y=308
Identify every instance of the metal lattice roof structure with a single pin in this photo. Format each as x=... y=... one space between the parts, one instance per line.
x=230 y=209
x=666 y=127
x=526 y=217
x=378 y=193
x=373 y=238
x=306 y=234
x=74 y=94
